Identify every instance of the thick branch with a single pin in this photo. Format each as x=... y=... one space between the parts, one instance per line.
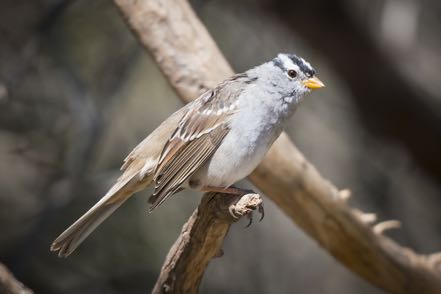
x=190 y=60
x=8 y=283
x=200 y=241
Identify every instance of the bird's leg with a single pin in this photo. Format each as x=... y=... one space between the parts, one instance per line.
x=237 y=192
x=230 y=190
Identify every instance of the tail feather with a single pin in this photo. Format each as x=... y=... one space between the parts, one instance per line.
x=138 y=170
x=73 y=236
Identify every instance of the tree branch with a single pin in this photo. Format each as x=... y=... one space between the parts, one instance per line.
x=9 y=285
x=191 y=62
x=201 y=240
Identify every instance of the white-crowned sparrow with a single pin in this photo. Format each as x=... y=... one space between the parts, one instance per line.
x=209 y=144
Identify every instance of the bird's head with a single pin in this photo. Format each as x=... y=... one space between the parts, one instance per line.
x=294 y=75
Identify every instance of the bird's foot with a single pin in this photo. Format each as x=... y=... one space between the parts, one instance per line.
x=246 y=205
x=250 y=215
x=244 y=202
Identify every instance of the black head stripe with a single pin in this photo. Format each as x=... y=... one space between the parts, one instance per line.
x=304 y=67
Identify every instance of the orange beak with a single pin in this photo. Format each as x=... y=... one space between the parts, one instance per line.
x=313 y=83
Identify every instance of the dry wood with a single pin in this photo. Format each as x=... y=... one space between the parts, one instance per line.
x=201 y=240
x=191 y=62
x=10 y=285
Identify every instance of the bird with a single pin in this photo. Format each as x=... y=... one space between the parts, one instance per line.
x=209 y=144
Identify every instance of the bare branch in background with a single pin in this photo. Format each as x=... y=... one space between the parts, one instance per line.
x=201 y=240
x=9 y=285
x=190 y=60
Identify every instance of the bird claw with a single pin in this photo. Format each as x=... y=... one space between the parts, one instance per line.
x=250 y=215
x=247 y=203
x=261 y=211
x=250 y=218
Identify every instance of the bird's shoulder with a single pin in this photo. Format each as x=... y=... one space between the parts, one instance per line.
x=213 y=108
x=226 y=93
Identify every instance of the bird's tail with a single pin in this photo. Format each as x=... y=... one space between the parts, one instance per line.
x=73 y=236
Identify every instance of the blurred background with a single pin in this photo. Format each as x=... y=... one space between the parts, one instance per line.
x=77 y=93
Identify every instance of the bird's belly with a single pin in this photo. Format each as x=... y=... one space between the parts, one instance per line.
x=237 y=156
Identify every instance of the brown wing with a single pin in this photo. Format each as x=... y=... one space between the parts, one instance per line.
x=199 y=134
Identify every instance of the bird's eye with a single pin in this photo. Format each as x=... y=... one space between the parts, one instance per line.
x=292 y=73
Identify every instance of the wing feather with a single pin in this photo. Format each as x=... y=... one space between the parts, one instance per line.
x=194 y=154
x=198 y=135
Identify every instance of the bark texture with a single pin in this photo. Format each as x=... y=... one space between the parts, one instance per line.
x=10 y=285
x=201 y=240
x=191 y=61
